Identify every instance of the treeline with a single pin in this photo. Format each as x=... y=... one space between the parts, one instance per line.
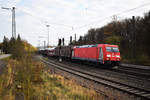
x=18 y=48
x=132 y=35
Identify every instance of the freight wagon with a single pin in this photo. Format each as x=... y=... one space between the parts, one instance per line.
x=100 y=53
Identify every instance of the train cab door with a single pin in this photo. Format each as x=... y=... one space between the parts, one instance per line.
x=72 y=53
x=101 y=55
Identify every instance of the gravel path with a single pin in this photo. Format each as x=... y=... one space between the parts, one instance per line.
x=2 y=63
x=4 y=56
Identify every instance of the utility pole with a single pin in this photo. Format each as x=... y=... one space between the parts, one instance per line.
x=75 y=37
x=70 y=40
x=133 y=38
x=63 y=41
x=48 y=35
x=13 y=21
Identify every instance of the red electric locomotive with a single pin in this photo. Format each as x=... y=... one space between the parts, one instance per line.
x=101 y=53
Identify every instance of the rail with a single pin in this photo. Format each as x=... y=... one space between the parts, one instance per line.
x=101 y=80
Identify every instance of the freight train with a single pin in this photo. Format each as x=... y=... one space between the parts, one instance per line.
x=105 y=54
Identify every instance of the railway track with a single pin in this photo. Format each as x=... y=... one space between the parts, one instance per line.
x=143 y=73
x=140 y=73
x=143 y=94
x=123 y=77
x=143 y=70
x=135 y=72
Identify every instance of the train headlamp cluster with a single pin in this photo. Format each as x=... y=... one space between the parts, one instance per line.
x=108 y=55
x=118 y=56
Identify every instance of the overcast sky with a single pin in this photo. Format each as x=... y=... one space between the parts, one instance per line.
x=32 y=16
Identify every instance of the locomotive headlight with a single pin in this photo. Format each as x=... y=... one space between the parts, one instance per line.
x=118 y=56
x=108 y=55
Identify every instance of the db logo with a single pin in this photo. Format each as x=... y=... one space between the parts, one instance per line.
x=113 y=55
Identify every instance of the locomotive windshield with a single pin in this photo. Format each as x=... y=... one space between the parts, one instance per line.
x=112 y=49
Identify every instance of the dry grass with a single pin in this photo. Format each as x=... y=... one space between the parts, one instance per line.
x=30 y=78
x=6 y=81
x=56 y=87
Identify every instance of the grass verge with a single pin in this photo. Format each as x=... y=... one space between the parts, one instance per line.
x=32 y=81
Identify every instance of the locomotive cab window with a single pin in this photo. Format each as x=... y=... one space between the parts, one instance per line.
x=108 y=49
x=112 y=49
x=115 y=49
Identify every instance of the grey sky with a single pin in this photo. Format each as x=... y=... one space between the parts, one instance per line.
x=33 y=15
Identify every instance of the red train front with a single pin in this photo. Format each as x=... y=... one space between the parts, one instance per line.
x=101 y=53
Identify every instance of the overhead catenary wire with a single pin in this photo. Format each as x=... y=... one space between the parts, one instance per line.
x=103 y=19
x=43 y=20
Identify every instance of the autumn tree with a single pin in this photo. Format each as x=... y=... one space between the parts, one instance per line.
x=131 y=33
